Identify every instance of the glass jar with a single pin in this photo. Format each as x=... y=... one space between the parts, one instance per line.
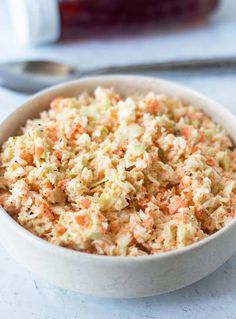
x=44 y=21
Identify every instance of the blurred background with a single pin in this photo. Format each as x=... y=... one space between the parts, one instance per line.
x=212 y=36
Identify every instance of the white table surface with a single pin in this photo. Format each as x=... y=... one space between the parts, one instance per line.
x=22 y=295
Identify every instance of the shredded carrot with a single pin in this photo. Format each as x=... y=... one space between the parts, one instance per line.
x=47 y=231
x=81 y=220
x=101 y=174
x=26 y=156
x=113 y=113
x=194 y=148
x=186 y=131
x=152 y=106
x=115 y=99
x=61 y=184
x=49 y=214
x=85 y=202
x=201 y=138
x=45 y=209
x=48 y=185
x=58 y=155
x=175 y=204
x=77 y=129
x=143 y=202
x=39 y=151
x=210 y=161
x=123 y=146
x=160 y=239
x=163 y=205
x=60 y=229
x=208 y=225
x=185 y=218
x=52 y=133
x=231 y=212
x=200 y=214
x=148 y=224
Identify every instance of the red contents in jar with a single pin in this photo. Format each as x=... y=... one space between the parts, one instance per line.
x=95 y=13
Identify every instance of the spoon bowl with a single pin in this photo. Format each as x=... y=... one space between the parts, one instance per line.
x=49 y=68
x=32 y=76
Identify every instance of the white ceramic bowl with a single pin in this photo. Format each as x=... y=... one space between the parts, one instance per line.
x=119 y=277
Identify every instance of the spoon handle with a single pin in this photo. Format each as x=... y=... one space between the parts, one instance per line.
x=181 y=65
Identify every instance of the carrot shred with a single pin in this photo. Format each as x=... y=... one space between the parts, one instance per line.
x=148 y=224
x=210 y=161
x=60 y=229
x=152 y=106
x=143 y=202
x=77 y=129
x=26 y=156
x=101 y=174
x=61 y=184
x=175 y=204
x=80 y=220
x=186 y=131
x=85 y=202
x=48 y=185
x=58 y=155
x=52 y=134
x=39 y=151
x=200 y=214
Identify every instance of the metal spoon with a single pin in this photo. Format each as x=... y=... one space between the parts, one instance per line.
x=33 y=76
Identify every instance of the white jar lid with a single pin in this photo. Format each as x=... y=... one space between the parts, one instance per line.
x=35 y=21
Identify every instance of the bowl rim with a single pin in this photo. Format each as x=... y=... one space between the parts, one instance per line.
x=70 y=253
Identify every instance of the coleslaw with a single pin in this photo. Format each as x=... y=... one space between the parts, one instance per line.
x=112 y=175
